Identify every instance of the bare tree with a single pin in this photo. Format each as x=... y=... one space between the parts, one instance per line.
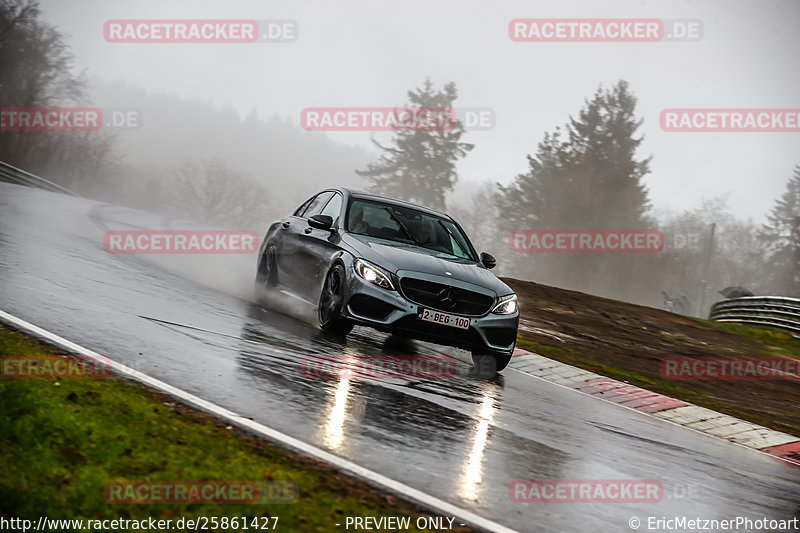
x=36 y=66
x=477 y=214
x=212 y=192
x=737 y=257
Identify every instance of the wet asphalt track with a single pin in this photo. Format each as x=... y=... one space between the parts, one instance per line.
x=187 y=321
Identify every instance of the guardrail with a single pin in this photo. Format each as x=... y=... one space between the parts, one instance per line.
x=775 y=311
x=12 y=174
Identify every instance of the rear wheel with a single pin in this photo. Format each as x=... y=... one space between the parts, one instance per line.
x=488 y=365
x=331 y=301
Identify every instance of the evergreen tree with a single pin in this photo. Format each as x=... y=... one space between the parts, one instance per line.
x=781 y=235
x=586 y=176
x=606 y=189
x=420 y=164
x=592 y=179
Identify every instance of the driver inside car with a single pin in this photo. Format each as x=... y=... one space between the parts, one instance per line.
x=357 y=224
x=421 y=232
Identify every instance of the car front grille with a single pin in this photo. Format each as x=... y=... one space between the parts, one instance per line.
x=445 y=297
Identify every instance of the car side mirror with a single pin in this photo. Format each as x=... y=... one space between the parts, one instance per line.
x=488 y=260
x=321 y=221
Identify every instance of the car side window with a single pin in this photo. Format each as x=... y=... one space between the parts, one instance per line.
x=333 y=208
x=299 y=211
x=315 y=206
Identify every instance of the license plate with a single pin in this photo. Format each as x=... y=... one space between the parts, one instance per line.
x=437 y=317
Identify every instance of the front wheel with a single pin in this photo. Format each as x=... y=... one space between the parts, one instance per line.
x=488 y=365
x=331 y=301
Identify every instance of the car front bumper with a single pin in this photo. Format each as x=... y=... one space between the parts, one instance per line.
x=390 y=311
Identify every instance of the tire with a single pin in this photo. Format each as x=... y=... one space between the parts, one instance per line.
x=329 y=312
x=488 y=365
x=267 y=272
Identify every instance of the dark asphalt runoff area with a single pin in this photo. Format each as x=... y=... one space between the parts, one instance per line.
x=190 y=320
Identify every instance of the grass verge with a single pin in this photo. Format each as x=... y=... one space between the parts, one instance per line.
x=62 y=441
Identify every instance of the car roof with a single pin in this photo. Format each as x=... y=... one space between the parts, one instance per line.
x=355 y=193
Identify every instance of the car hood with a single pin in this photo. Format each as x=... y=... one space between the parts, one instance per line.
x=396 y=257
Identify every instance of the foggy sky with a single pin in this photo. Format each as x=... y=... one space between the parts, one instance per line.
x=370 y=53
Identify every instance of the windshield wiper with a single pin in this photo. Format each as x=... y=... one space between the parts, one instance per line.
x=402 y=226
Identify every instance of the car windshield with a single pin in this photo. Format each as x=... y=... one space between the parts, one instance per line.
x=408 y=226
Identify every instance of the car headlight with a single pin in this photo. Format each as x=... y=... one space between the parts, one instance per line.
x=507 y=305
x=373 y=274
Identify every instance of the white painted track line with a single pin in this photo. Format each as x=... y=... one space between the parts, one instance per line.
x=409 y=493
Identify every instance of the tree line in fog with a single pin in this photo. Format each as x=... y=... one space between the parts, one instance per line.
x=193 y=159
x=587 y=175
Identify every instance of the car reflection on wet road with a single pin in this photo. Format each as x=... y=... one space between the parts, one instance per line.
x=462 y=439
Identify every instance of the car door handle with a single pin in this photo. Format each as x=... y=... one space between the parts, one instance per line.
x=308 y=230
x=287 y=224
